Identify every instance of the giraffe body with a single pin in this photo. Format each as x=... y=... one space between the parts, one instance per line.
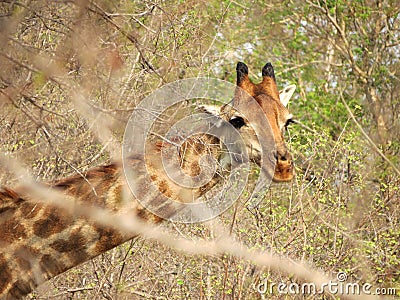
x=39 y=240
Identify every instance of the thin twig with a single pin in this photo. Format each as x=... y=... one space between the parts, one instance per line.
x=370 y=141
x=107 y=17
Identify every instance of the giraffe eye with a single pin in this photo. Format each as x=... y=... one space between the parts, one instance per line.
x=237 y=122
x=288 y=122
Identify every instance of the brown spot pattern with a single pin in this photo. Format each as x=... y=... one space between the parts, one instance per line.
x=29 y=210
x=75 y=247
x=51 y=265
x=54 y=221
x=108 y=239
x=11 y=231
x=5 y=273
x=19 y=289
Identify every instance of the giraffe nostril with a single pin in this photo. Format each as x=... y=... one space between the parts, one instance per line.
x=282 y=156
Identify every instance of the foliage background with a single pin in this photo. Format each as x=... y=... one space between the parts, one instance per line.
x=342 y=211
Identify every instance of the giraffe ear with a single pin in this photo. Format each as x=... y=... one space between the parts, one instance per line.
x=210 y=109
x=286 y=94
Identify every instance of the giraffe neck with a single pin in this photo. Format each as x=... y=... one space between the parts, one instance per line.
x=40 y=241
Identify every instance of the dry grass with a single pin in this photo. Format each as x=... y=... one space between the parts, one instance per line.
x=335 y=216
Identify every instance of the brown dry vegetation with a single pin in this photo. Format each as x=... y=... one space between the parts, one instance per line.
x=341 y=213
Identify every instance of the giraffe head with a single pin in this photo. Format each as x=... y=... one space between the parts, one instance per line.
x=272 y=106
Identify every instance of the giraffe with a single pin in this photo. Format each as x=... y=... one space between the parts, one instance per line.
x=39 y=241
